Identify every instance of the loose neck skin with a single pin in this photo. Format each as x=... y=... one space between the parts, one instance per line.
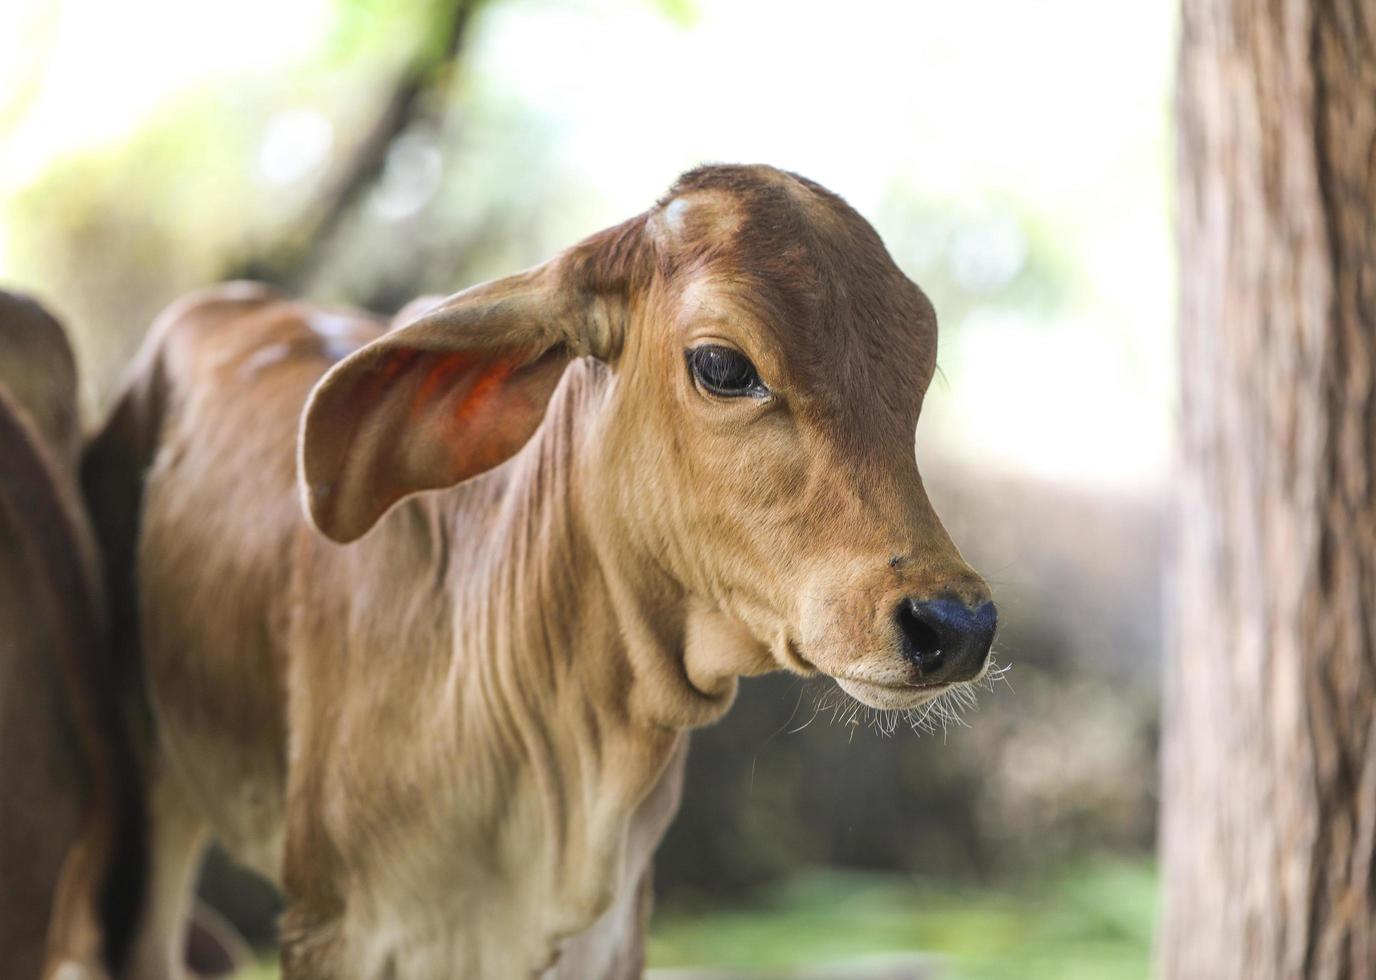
x=560 y=596
x=549 y=709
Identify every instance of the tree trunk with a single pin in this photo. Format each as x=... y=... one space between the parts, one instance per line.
x=1269 y=762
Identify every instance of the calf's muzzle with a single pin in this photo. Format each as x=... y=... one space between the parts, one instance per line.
x=946 y=640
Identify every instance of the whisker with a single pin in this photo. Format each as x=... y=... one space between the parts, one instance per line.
x=945 y=711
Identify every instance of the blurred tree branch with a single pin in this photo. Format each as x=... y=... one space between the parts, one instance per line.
x=293 y=257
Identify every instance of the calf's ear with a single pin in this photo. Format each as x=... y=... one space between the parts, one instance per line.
x=457 y=391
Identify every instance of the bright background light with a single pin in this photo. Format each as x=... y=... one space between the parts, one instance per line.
x=975 y=109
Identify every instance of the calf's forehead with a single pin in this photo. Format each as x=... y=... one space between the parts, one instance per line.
x=811 y=277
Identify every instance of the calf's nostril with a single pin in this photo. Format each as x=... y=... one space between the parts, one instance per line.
x=921 y=641
x=945 y=639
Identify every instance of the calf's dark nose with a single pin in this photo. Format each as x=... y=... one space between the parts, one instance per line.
x=945 y=639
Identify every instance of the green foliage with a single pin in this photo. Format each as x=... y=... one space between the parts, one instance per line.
x=681 y=12
x=360 y=24
x=1090 y=923
x=996 y=255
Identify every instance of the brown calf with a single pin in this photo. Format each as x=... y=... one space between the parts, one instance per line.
x=679 y=453
x=68 y=794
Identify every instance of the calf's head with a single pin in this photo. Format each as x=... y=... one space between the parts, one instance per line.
x=753 y=443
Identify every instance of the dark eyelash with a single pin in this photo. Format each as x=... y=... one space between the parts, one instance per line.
x=725 y=372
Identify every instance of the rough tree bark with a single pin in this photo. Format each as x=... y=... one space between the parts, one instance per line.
x=1269 y=769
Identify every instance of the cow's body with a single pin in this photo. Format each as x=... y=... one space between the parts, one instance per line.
x=258 y=650
x=63 y=759
x=455 y=732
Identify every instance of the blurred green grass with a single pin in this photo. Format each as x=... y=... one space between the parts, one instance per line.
x=1091 y=922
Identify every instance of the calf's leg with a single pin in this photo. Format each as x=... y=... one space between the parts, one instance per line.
x=176 y=843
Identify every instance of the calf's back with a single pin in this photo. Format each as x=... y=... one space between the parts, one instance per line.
x=192 y=487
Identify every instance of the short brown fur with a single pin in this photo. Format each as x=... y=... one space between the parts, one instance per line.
x=70 y=798
x=456 y=741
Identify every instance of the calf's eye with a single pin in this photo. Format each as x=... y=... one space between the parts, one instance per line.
x=725 y=372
